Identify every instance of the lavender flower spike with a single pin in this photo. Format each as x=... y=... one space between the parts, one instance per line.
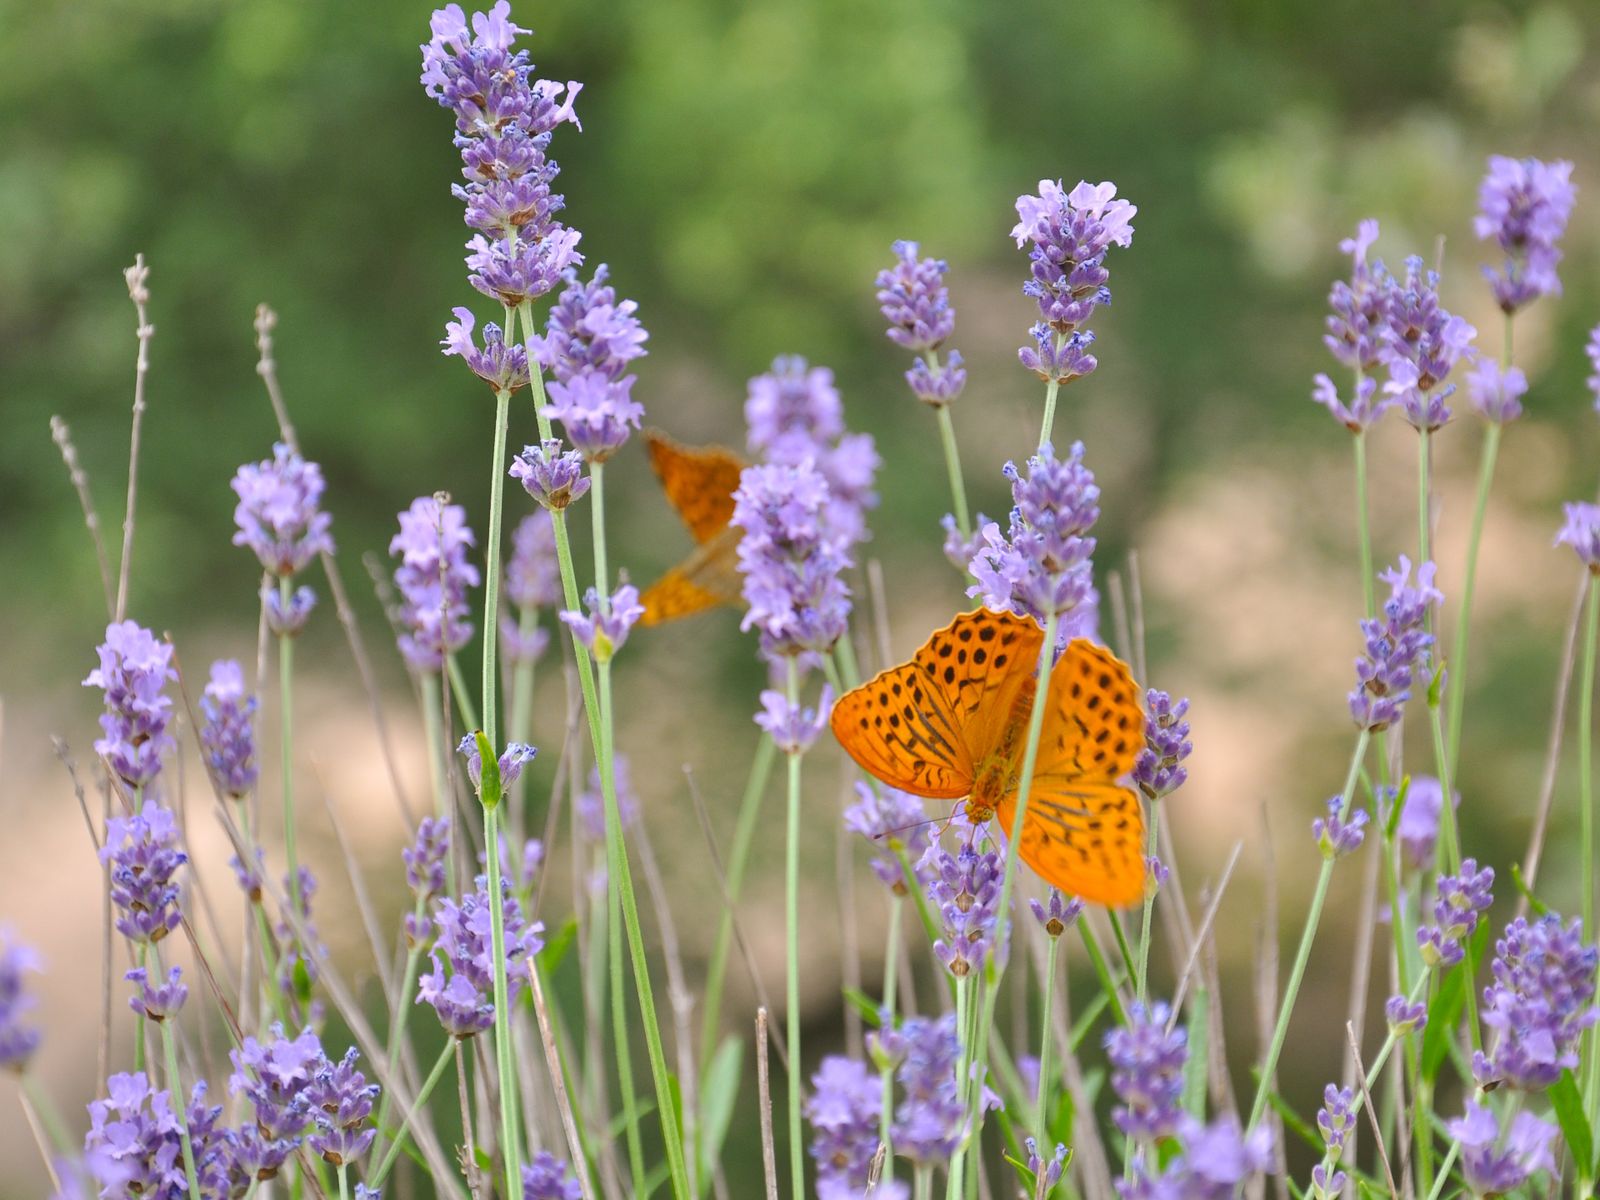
x=226 y=735
x=133 y=1146
x=341 y=1102
x=1592 y=349
x=929 y=1120
x=1459 y=901
x=1398 y=648
x=1159 y=770
x=550 y=475
x=18 y=1040
x=915 y=301
x=964 y=889
x=134 y=670
x=142 y=854
x=512 y=760
x=1540 y=1002
x=1523 y=206
x=433 y=578
x=156 y=1001
x=892 y=821
x=1147 y=1059
x=287 y=617
x=1581 y=532
x=1495 y=393
x=461 y=985
x=792 y=727
x=1338 y=835
x=843 y=1111
x=1421 y=346
x=1071 y=233
x=279 y=512
x=1496 y=1166
x=502 y=367
x=605 y=629
x=548 y=1178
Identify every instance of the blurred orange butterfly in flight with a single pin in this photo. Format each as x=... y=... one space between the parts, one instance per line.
x=699 y=482
x=953 y=723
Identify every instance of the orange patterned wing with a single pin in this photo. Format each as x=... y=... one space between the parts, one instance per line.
x=925 y=726
x=1094 y=727
x=707 y=578
x=699 y=482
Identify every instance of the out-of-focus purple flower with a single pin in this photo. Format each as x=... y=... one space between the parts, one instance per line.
x=1147 y=1058
x=134 y=1144
x=18 y=1040
x=591 y=804
x=160 y=1000
x=134 y=670
x=1042 y=567
x=297 y=963
x=896 y=823
x=533 y=577
x=461 y=985
x=1046 y=1170
x=511 y=761
x=425 y=858
x=1057 y=914
x=1523 y=206
x=1496 y=393
x=1398 y=648
x=1216 y=1160
x=930 y=1119
x=914 y=300
x=1496 y=1165
x=547 y=1178
x=790 y=560
x=1336 y=1117
x=227 y=737
x=249 y=878
x=279 y=513
x=937 y=384
x=1459 y=901
x=1592 y=349
x=1058 y=357
x=1418 y=827
x=432 y=579
x=597 y=412
x=1539 y=1003
x=142 y=854
x=1071 y=233
x=1403 y=1017
x=605 y=629
x=287 y=617
x=1159 y=770
x=1156 y=873
x=275 y=1077
x=843 y=1110
x=960 y=551
x=964 y=889
x=590 y=331
x=793 y=727
x=1359 y=313
x=1337 y=834
x=1581 y=532
x=341 y=1104
x=552 y=476
x=1367 y=405
x=519 y=647
x=1421 y=346
x=502 y=367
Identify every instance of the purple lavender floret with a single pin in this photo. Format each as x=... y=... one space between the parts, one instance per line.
x=157 y=1001
x=1418 y=828
x=1421 y=346
x=433 y=578
x=552 y=476
x=533 y=576
x=1398 y=648
x=279 y=513
x=1539 y=1003
x=1336 y=1117
x=604 y=631
x=891 y=820
x=18 y=1040
x=547 y=1178
x=249 y=878
x=793 y=727
x=964 y=888
x=915 y=301
x=1056 y=357
x=461 y=985
x=1360 y=308
x=512 y=271
x=502 y=367
x=1403 y=1017
x=1581 y=531
x=1459 y=901
x=1057 y=914
x=341 y=1106
x=1496 y=393
x=1159 y=770
x=425 y=858
x=227 y=735
x=1070 y=234
x=1494 y=1165
x=1217 y=1159
x=1339 y=833
x=511 y=760
x=143 y=856
x=1049 y=1170
x=475 y=74
x=591 y=804
x=590 y=331
x=938 y=385
x=597 y=412
x=960 y=551
x=1523 y=206
x=843 y=1110
x=1147 y=1059
x=274 y=1076
x=134 y=1144
x=930 y=1118
x=287 y=617
x=297 y=965
x=134 y=670
x=1041 y=567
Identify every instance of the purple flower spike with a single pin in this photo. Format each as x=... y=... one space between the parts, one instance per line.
x=18 y=1040
x=1058 y=914
x=425 y=858
x=1405 y=1018
x=1581 y=532
x=286 y=618
x=502 y=367
x=1159 y=770
x=1421 y=347
x=891 y=820
x=1592 y=349
x=1336 y=835
x=1147 y=1060
x=964 y=889
x=589 y=331
x=1058 y=357
x=134 y=1148
x=929 y=1121
x=1071 y=233
x=1540 y=1002
x=915 y=301
x=226 y=735
x=1048 y=1171
x=547 y=1178
x=1217 y=1159
x=605 y=629
x=1459 y=901
x=461 y=985
x=1418 y=828
x=597 y=412
x=591 y=803
x=134 y=670
x=279 y=514
x=1496 y=1166
x=143 y=856
x=843 y=1112
x=1398 y=648
x=1336 y=1117
x=1523 y=206
x=157 y=1001
x=533 y=577
x=937 y=386
x=274 y=1077
x=792 y=727
x=433 y=578
x=1360 y=309
x=1496 y=394
x=512 y=271
x=341 y=1102
x=550 y=475
x=512 y=760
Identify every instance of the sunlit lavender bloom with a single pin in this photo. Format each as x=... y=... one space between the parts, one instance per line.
x=18 y=1040
x=547 y=1178
x=793 y=727
x=1495 y=393
x=1418 y=827
x=432 y=579
x=589 y=330
x=1360 y=308
x=591 y=803
x=279 y=513
x=914 y=299
x=1159 y=770
x=341 y=1103
x=1539 y=1003
x=1403 y=1017
x=1421 y=347
x=1459 y=901
x=502 y=367
x=474 y=74
x=1592 y=349
x=275 y=1076
x=1581 y=532
x=1339 y=835
x=1217 y=1159
x=552 y=476
x=605 y=631
x=287 y=617
x=930 y=1118
x=1523 y=206
x=790 y=561
x=1057 y=914
x=1042 y=567
x=597 y=412
x=227 y=736
x=1495 y=1165
x=514 y=269
x=1056 y=357
x=461 y=985
x=134 y=1144
x=843 y=1112
x=425 y=858
x=1071 y=232
x=160 y=1000
x=134 y=670
x=893 y=821
x=533 y=577
x=964 y=889
x=1398 y=648
x=511 y=760
x=960 y=551
x=143 y=856
x=1147 y=1059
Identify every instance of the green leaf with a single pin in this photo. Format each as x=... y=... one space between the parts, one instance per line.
x=863 y=1004
x=1539 y=907
x=489 y=790
x=1085 y=1022
x=718 y=1093
x=1564 y=1098
x=556 y=948
x=481 y=1157
x=302 y=982
x=1395 y=809
x=1194 y=1069
x=1443 y=1013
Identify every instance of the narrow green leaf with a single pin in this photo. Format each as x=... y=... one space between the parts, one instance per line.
x=1194 y=1069
x=489 y=789
x=1564 y=1098
x=1539 y=907
x=863 y=1004
x=1085 y=1022
x=1395 y=809
x=718 y=1094
x=555 y=949
x=1443 y=1013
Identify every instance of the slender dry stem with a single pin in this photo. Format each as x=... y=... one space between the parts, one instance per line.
x=769 y=1156
x=137 y=276
x=62 y=437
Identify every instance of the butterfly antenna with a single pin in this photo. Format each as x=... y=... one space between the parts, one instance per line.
x=942 y=822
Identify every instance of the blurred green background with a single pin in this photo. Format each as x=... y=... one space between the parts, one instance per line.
x=744 y=167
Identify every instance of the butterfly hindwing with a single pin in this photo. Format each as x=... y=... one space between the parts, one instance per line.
x=699 y=482
x=1085 y=837
x=707 y=578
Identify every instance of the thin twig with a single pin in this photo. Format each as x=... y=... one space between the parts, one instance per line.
x=103 y=1053
x=62 y=437
x=136 y=276
x=358 y=886
x=558 y=1084
x=1204 y=931
x=1267 y=975
x=1367 y=1104
x=769 y=1158
x=39 y=1138
x=1361 y=964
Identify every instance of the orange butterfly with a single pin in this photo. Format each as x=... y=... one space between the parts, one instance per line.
x=699 y=482
x=953 y=722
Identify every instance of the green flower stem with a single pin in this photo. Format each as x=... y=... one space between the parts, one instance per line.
x=1051 y=390
x=463 y=696
x=597 y=516
x=791 y=890
x=520 y=720
x=1041 y=1114
x=438 y=769
x=1444 y=1170
x=504 y=1054
x=619 y=1034
x=1102 y=970
x=1363 y=520
x=143 y=955
x=1458 y=653
x=344 y=1181
x=403 y=1134
x=755 y=789
x=1303 y=955
x=491 y=572
x=963 y=991
x=397 y=1033
x=285 y=733
x=1591 y=636
x=169 y=1048
x=891 y=977
x=952 y=457
x=1424 y=464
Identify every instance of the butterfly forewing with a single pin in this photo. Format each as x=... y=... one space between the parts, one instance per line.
x=1093 y=728
x=699 y=482
x=1085 y=837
